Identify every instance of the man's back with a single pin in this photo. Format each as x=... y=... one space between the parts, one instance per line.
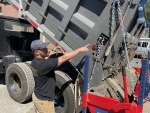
x=44 y=77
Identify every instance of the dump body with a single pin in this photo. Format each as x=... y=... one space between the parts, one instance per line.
x=75 y=23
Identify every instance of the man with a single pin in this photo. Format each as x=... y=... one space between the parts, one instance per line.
x=43 y=71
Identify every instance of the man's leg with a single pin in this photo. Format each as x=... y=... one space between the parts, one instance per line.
x=43 y=106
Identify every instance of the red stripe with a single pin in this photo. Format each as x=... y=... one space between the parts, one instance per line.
x=61 y=48
x=56 y=44
x=33 y=23
x=15 y=7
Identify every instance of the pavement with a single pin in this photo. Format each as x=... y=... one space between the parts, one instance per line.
x=136 y=63
x=8 y=105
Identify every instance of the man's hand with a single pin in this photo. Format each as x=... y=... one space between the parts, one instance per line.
x=52 y=52
x=84 y=48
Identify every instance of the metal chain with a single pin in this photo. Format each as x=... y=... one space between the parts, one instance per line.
x=111 y=31
x=102 y=62
x=99 y=46
x=120 y=18
x=100 y=43
x=112 y=21
x=96 y=58
x=123 y=34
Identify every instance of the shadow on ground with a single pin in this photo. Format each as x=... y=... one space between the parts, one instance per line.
x=2 y=79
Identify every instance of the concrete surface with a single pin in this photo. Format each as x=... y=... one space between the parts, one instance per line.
x=135 y=63
x=146 y=108
x=8 y=105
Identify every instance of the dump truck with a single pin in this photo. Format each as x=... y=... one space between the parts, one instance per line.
x=111 y=27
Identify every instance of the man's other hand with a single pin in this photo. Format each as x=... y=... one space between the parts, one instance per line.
x=84 y=48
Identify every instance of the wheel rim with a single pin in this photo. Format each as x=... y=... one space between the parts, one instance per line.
x=59 y=100
x=15 y=83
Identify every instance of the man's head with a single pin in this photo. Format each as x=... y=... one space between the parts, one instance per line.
x=39 y=48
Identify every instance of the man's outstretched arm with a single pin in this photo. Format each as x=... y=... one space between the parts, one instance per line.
x=72 y=54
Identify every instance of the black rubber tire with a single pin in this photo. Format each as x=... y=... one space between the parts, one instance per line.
x=64 y=83
x=26 y=80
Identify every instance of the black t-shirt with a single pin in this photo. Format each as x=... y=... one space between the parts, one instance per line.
x=44 y=76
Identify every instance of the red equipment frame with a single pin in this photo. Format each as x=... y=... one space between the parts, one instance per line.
x=103 y=104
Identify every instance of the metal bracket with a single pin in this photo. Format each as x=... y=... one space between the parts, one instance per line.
x=142 y=82
x=21 y=11
x=141 y=18
x=147 y=82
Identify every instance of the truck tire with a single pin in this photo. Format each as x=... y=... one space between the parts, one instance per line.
x=65 y=86
x=19 y=81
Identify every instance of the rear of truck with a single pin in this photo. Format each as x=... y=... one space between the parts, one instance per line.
x=111 y=27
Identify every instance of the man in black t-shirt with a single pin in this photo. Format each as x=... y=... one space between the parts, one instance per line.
x=44 y=76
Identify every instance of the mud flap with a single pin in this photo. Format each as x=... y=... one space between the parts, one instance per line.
x=97 y=77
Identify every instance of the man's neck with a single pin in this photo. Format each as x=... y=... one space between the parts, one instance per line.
x=39 y=57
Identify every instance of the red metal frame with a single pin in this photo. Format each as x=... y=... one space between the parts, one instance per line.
x=137 y=90
x=109 y=104
x=126 y=99
x=103 y=104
